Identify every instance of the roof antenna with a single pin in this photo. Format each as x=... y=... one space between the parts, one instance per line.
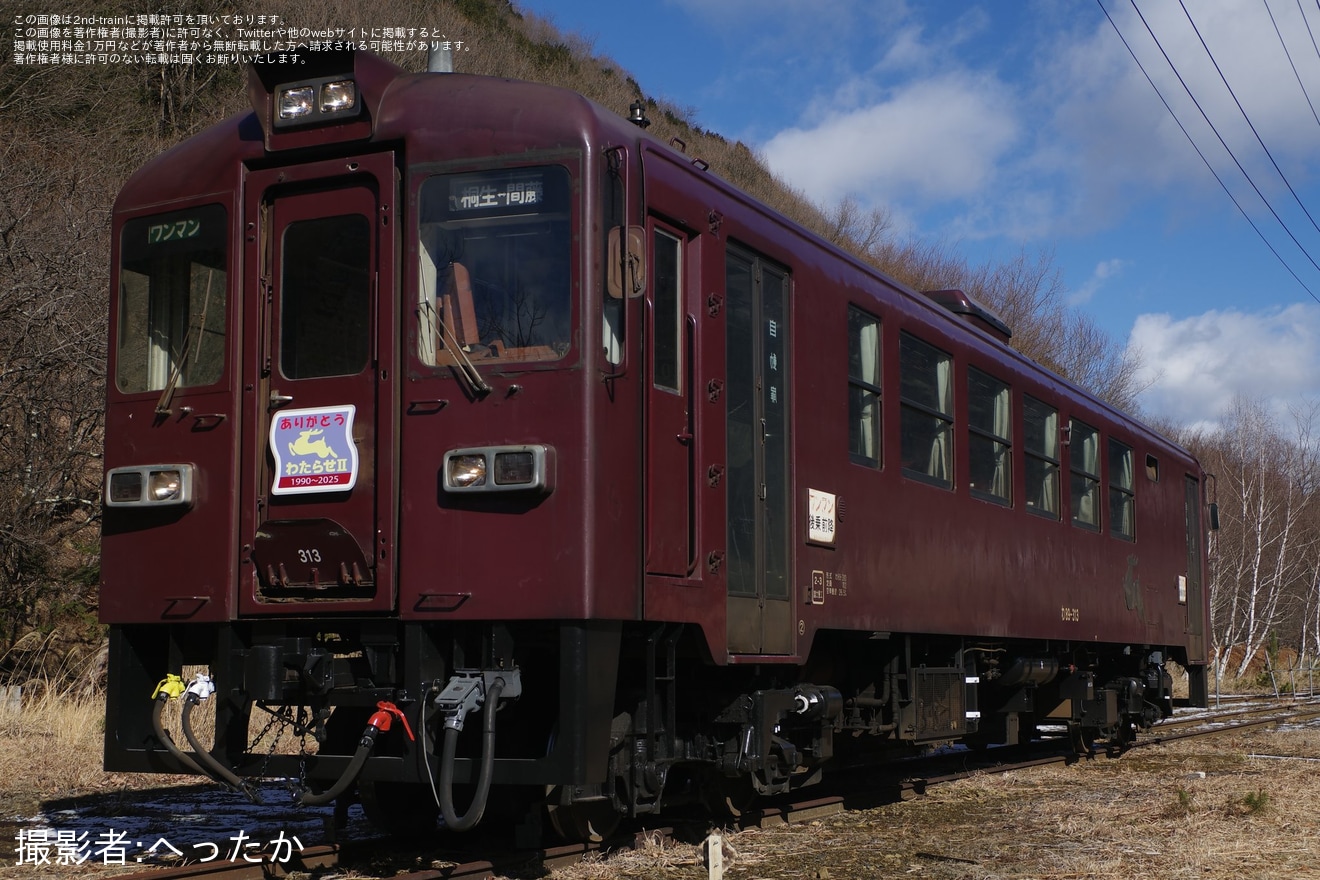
x=439 y=59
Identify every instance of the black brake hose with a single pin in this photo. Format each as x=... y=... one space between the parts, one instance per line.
x=218 y=770
x=350 y=775
x=158 y=726
x=468 y=820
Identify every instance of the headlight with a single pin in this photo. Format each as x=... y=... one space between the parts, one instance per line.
x=296 y=102
x=338 y=96
x=316 y=101
x=164 y=485
x=153 y=485
x=466 y=471
x=499 y=469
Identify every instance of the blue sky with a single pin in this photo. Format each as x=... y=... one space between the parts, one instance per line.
x=998 y=127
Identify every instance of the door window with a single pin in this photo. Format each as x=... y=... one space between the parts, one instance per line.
x=325 y=301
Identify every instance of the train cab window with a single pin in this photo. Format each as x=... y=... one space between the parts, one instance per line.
x=1122 y=507
x=989 y=440
x=173 y=290
x=1040 y=424
x=325 y=297
x=667 y=264
x=494 y=255
x=1084 y=444
x=863 y=388
x=926 y=424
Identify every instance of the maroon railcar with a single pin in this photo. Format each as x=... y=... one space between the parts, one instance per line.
x=433 y=394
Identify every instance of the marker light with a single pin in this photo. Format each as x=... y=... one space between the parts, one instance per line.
x=154 y=485
x=499 y=469
x=514 y=468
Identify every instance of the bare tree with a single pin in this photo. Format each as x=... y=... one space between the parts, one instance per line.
x=1265 y=555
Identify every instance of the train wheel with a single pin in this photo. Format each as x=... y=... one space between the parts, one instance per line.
x=400 y=809
x=1083 y=740
x=585 y=820
x=729 y=798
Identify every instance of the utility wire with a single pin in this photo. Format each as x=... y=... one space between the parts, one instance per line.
x=1310 y=33
x=1208 y=166
x=1288 y=54
x=1243 y=111
x=1220 y=137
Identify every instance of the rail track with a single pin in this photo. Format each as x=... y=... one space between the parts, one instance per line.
x=883 y=785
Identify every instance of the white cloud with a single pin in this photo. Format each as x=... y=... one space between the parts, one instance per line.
x=1196 y=365
x=1105 y=271
x=932 y=140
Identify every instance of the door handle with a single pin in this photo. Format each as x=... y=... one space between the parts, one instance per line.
x=278 y=400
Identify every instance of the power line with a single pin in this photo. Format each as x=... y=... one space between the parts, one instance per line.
x=1208 y=166
x=1288 y=54
x=1243 y=111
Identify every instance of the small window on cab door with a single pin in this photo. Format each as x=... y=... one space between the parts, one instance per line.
x=667 y=264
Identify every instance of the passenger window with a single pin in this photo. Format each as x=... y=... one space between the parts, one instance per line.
x=1084 y=442
x=989 y=440
x=667 y=262
x=1041 y=444
x=1122 y=506
x=926 y=395
x=863 y=388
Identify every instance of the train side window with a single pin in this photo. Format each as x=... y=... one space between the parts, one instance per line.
x=989 y=440
x=1041 y=445
x=1152 y=468
x=667 y=263
x=1122 y=500
x=173 y=288
x=1084 y=443
x=864 y=388
x=926 y=423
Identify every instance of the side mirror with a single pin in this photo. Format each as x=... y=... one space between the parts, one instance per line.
x=626 y=273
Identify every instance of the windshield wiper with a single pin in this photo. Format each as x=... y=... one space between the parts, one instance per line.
x=466 y=368
x=189 y=339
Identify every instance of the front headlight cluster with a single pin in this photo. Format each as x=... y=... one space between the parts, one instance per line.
x=156 y=485
x=319 y=100
x=498 y=469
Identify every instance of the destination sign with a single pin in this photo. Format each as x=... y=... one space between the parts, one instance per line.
x=479 y=194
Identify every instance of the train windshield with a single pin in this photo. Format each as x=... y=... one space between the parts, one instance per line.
x=172 y=298
x=494 y=267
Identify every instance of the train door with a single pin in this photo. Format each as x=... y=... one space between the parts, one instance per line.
x=1194 y=585
x=757 y=450
x=669 y=514
x=318 y=519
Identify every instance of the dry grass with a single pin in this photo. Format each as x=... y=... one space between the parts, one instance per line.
x=1149 y=814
